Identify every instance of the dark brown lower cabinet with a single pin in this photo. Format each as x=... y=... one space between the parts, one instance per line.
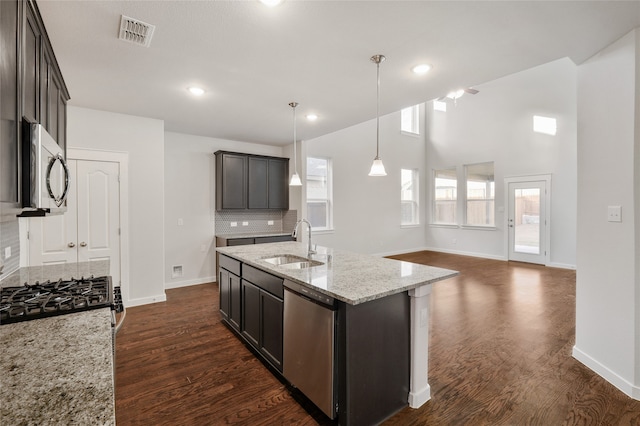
x=262 y=322
x=230 y=298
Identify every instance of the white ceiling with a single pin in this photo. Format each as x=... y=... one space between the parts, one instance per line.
x=254 y=60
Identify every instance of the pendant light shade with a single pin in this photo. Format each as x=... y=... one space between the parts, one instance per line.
x=377 y=168
x=295 y=178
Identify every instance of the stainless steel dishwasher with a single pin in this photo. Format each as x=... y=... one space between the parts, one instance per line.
x=309 y=344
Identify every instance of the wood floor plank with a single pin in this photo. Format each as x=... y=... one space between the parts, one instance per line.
x=501 y=335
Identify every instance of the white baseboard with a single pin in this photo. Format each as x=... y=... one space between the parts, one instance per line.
x=467 y=253
x=396 y=253
x=561 y=265
x=146 y=300
x=600 y=369
x=186 y=283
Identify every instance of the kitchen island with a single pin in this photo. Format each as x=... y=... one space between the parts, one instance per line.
x=382 y=319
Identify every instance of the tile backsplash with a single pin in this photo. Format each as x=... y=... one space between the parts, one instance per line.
x=10 y=237
x=256 y=221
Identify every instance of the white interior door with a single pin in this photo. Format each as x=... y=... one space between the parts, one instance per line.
x=527 y=221
x=90 y=229
x=99 y=213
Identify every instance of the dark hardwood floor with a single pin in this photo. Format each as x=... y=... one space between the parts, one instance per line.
x=500 y=354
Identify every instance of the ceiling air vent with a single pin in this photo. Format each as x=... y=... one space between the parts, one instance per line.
x=135 y=31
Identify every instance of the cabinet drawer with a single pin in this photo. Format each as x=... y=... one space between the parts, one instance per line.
x=239 y=241
x=265 y=281
x=274 y=239
x=230 y=264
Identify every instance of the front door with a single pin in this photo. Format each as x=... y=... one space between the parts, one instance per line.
x=527 y=221
x=90 y=228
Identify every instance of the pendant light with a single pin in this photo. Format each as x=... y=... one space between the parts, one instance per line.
x=295 y=179
x=377 y=168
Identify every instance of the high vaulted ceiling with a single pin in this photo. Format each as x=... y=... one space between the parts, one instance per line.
x=253 y=60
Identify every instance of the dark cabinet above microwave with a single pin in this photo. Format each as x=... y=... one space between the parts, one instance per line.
x=254 y=182
x=32 y=88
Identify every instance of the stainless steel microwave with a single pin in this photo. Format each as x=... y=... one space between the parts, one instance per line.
x=45 y=175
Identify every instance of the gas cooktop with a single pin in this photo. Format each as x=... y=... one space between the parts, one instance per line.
x=41 y=300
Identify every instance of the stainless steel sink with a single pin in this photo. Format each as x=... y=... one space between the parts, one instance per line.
x=301 y=265
x=291 y=261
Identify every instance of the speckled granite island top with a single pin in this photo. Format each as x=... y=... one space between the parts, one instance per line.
x=350 y=277
x=58 y=370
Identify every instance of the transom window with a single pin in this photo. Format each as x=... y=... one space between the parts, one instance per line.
x=410 y=120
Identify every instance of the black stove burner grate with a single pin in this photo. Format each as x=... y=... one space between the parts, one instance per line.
x=41 y=300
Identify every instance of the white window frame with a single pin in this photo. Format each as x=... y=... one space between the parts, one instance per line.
x=410 y=120
x=454 y=201
x=466 y=198
x=328 y=200
x=415 y=201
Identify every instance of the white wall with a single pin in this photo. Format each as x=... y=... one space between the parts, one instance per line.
x=367 y=209
x=496 y=125
x=608 y=290
x=143 y=139
x=189 y=191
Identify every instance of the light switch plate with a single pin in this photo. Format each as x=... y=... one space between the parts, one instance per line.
x=614 y=214
x=7 y=252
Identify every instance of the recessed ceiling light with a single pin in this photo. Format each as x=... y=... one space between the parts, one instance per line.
x=271 y=3
x=312 y=117
x=421 y=69
x=197 y=91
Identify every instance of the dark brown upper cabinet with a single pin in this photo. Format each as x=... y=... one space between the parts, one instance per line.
x=31 y=86
x=251 y=182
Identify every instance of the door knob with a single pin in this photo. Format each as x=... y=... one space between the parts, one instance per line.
x=72 y=245
x=83 y=244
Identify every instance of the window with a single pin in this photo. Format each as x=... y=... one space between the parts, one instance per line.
x=480 y=200
x=410 y=120
x=546 y=125
x=409 y=197
x=440 y=106
x=445 y=196
x=319 y=194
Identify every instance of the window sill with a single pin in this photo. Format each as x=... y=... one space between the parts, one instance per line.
x=410 y=225
x=444 y=225
x=411 y=134
x=322 y=231
x=479 y=227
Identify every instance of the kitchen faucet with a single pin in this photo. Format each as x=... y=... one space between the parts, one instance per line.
x=294 y=234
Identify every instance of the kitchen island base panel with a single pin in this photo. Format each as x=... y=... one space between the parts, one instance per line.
x=373 y=359
x=420 y=391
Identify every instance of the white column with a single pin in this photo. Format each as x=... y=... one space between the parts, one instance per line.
x=419 y=390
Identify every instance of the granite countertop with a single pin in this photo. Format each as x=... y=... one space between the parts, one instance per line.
x=58 y=370
x=350 y=277
x=253 y=234
x=65 y=271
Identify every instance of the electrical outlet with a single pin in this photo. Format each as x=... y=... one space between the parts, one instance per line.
x=234 y=224
x=180 y=222
x=614 y=214
x=270 y=222
x=245 y=223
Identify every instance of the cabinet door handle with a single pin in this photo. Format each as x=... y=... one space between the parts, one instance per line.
x=83 y=244
x=72 y=245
